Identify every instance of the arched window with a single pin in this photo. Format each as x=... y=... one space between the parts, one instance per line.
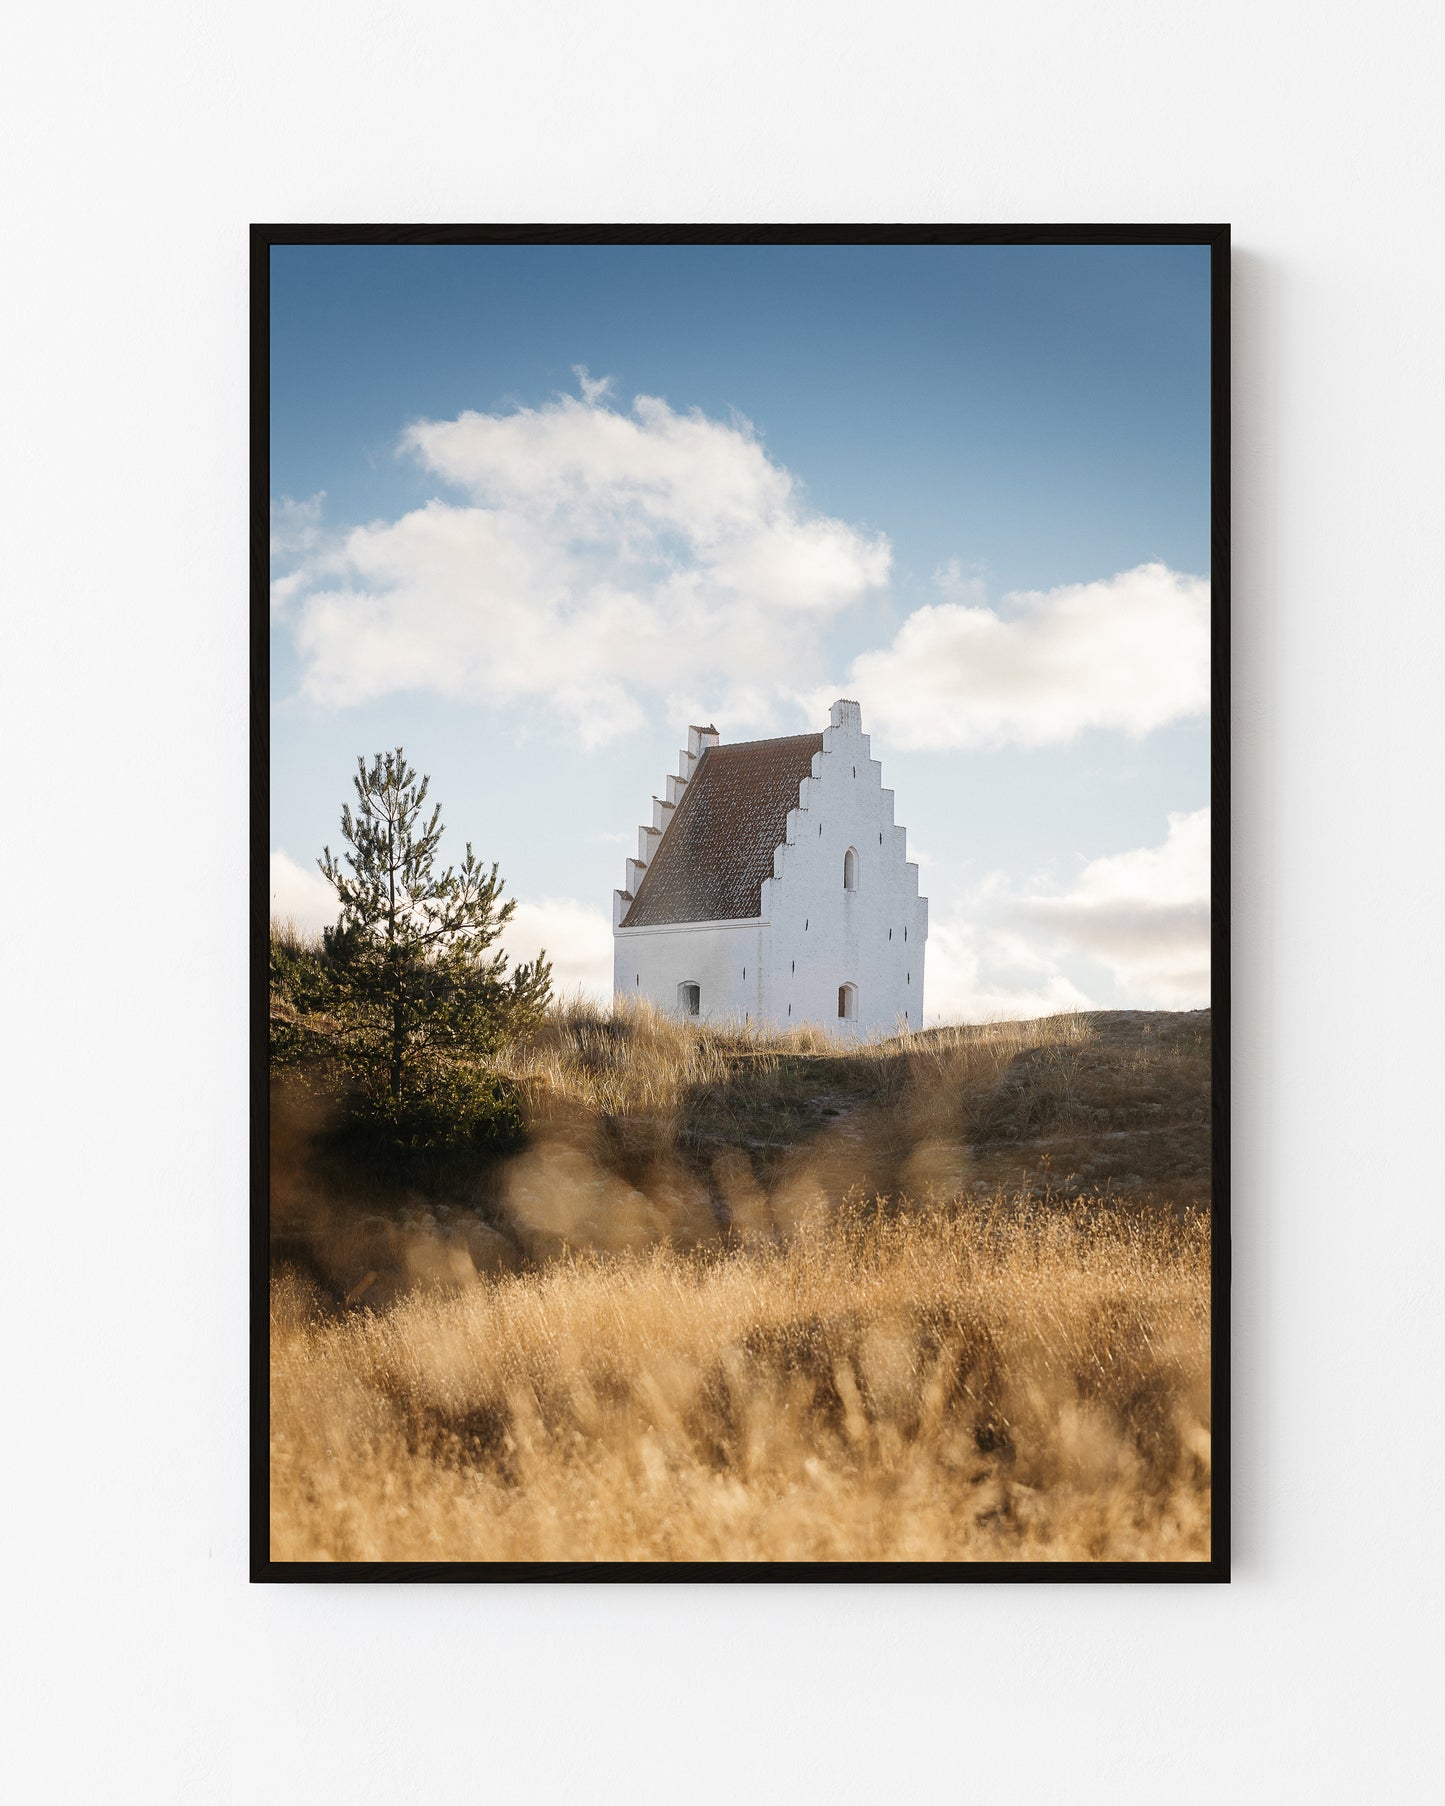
x=689 y=998
x=850 y=869
x=847 y=1002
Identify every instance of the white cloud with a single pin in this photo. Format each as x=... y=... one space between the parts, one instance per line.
x=957 y=582
x=295 y=526
x=1130 y=652
x=295 y=535
x=594 y=389
x=1143 y=916
x=578 y=941
x=301 y=895
x=616 y=562
x=975 y=973
x=602 y=557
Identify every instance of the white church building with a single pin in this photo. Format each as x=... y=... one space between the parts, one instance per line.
x=773 y=886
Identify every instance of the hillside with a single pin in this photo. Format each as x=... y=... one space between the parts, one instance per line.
x=741 y=1298
x=642 y=1130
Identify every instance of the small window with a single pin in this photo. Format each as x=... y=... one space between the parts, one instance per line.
x=850 y=869
x=790 y=1009
x=745 y=971
x=880 y=840
x=847 y=1002
x=855 y=771
x=805 y=924
x=689 y=999
x=820 y=827
x=905 y=934
x=795 y=965
x=890 y=934
x=910 y=978
x=637 y=978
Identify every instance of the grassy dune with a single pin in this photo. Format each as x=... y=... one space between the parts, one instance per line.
x=763 y=1299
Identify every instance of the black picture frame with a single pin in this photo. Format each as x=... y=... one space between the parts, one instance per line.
x=1216 y=237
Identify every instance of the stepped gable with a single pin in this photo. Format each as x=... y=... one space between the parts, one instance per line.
x=717 y=851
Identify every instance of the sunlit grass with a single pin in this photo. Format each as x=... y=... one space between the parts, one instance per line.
x=992 y=1382
x=752 y=1297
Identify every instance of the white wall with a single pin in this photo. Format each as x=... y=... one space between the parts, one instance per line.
x=825 y=936
x=143 y=1668
x=724 y=959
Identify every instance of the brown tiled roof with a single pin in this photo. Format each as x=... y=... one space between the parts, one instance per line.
x=717 y=850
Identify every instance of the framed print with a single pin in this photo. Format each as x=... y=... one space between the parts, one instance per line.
x=740 y=883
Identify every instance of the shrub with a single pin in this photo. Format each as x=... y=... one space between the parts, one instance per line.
x=449 y=1108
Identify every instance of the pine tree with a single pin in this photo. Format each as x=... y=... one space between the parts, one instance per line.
x=413 y=954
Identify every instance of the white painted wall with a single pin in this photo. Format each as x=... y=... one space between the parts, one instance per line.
x=824 y=936
x=724 y=959
x=814 y=935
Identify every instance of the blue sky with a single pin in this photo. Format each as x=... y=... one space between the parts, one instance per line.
x=968 y=484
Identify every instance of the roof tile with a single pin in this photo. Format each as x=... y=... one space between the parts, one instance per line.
x=717 y=851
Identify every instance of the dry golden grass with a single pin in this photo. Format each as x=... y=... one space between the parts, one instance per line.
x=635 y=1060
x=752 y=1297
x=989 y=1381
x=1074 y=1103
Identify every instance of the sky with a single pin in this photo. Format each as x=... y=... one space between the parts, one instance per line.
x=535 y=509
